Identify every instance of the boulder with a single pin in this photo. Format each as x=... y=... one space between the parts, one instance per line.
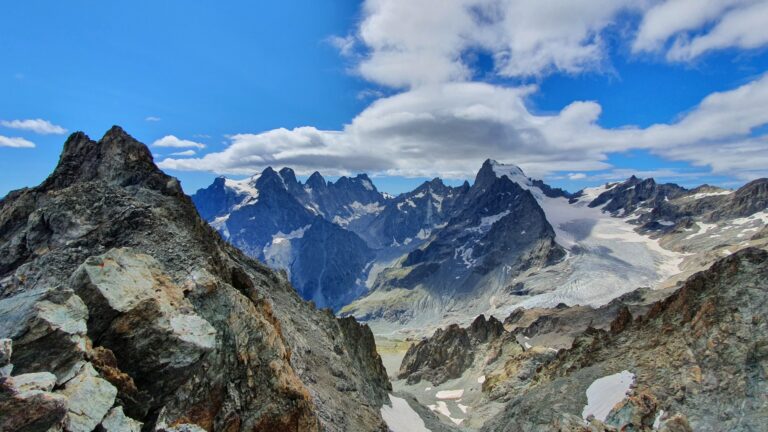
x=49 y=331
x=27 y=405
x=89 y=398
x=143 y=317
x=635 y=413
x=116 y=421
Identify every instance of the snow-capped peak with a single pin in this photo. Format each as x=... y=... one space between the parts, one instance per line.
x=243 y=187
x=512 y=172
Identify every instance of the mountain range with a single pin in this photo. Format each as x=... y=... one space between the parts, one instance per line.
x=439 y=251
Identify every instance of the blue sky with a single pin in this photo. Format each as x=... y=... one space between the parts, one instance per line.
x=348 y=86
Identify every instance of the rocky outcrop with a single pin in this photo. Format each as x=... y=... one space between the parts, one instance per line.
x=449 y=352
x=136 y=311
x=27 y=403
x=696 y=356
x=439 y=358
x=749 y=199
x=626 y=197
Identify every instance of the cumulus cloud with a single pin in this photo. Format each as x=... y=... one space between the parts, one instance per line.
x=444 y=123
x=15 y=142
x=173 y=141
x=449 y=129
x=412 y=43
x=39 y=126
x=689 y=28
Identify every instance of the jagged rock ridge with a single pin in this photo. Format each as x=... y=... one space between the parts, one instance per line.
x=123 y=306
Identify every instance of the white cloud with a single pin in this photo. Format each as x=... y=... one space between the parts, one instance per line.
x=152 y=119
x=413 y=43
x=15 y=142
x=449 y=129
x=39 y=126
x=184 y=153
x=445 y=124
x=173 y=141
x=695 y=27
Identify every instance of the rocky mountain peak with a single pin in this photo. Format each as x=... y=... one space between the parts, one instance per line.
x=270 y=180
x=288 y=175
x=316 y=181
x=120 y=304
x=492 y=170
x=116 y=158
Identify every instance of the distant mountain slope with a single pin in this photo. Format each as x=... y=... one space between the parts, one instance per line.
x=413 y=216
x=274 y=218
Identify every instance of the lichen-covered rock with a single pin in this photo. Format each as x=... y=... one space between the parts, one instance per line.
x=116 y=421
x=6 y=349
x=676 y=423
x=141 y=316
x=27 y=404
x=89 y=398
x=48 y=328
x=635 y=413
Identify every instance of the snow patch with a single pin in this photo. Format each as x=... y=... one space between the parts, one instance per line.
x=400 y=417
x=487 y=222
x=604 y=393
x=450 y=394
x=220 y=225
x=278 y=253
x=701 y=195
x=481 y=379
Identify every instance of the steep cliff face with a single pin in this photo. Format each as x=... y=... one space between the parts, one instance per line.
x=123 y=306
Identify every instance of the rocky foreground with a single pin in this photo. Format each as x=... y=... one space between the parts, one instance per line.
x=122 y=310
x=695 y=360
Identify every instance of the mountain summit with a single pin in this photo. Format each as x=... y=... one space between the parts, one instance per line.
x=120 y=306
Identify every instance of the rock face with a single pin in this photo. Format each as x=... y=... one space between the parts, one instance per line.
x=698 y=355
x=448 y=353
x=136 y=311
